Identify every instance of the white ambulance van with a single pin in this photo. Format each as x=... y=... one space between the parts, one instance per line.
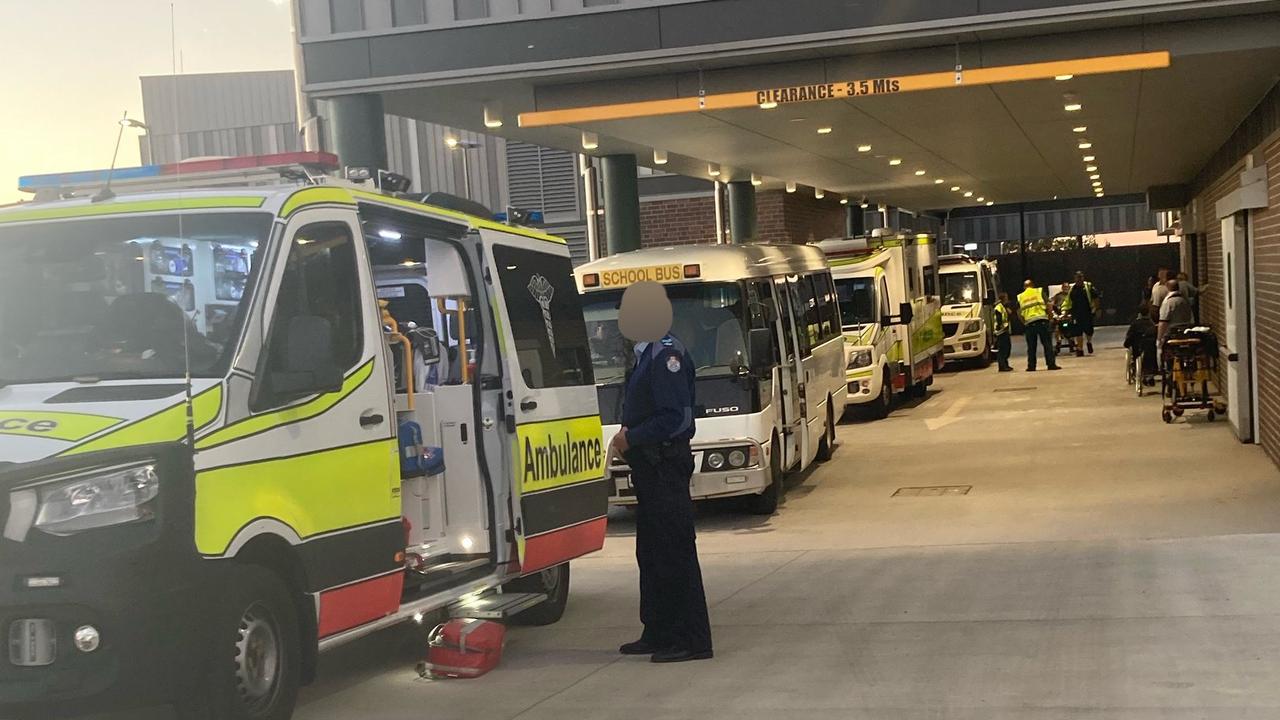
x=969 y=288
x=763 y=326
x=242 y=425
x=887 y=287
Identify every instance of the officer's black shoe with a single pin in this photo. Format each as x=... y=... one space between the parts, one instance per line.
x=678 y=655
x=1055 y=367
x=1006 y=369
x=639 y=647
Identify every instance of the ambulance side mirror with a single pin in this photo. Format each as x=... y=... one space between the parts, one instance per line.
x=906 y=313
x=760 y=348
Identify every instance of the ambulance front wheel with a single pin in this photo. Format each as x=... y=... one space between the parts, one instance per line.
x=253 y=667
x=552 y=582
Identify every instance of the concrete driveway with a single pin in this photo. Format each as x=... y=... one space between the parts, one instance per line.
x=1102 y=565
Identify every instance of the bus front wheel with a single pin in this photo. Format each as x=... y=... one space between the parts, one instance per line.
x=766 y=503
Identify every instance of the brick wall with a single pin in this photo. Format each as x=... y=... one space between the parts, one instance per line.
x=1266 y=271
x=781 y=217
x=678 y=221
x=1265 y=244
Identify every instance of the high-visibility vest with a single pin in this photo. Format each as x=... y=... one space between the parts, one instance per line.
x=1031 y=305
x=1000 y=315
x=1088 y=292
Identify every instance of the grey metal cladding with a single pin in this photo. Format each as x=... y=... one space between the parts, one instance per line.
x=540 y=40
x=193 y=103
x=736 y=20
x=337 y=60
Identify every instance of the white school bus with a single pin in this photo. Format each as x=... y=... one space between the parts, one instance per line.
x=887 y=286
x=244 y=425
x=763 y=326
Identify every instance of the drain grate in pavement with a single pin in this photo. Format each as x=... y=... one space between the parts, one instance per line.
x=1016 y=389
x=934 y=491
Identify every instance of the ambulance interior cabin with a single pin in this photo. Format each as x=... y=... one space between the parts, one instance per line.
x=430 y=327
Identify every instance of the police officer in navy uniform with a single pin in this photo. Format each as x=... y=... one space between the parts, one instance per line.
x=657 y=424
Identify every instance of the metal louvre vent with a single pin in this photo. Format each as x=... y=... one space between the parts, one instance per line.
x=539 y=178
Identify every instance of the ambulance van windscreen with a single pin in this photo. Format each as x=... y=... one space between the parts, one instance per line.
x=123 y=298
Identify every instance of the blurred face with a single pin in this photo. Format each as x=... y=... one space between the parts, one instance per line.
x=645 y=313
x=1079 y=277
x=1172 y=285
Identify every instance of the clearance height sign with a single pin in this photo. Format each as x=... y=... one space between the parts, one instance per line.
x=854 y=88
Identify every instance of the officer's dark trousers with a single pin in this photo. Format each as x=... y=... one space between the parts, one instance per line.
x=1004 y=346
x=1039 y=330
x=673 y=605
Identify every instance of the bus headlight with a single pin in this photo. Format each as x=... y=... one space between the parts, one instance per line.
x=109 y=496
x=731 y=458
x=859 y=359
x=972 y=326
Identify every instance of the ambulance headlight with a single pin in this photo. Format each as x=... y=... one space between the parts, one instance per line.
x=103 y=497
x=972 y=326
x=859 y=359
x=715 y=460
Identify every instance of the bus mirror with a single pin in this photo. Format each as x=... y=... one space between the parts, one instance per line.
x=906 y=313
x=760 y=346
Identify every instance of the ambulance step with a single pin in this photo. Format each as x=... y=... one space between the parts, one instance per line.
x=496 y=606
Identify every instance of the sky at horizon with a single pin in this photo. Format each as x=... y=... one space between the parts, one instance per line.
x=72 y=68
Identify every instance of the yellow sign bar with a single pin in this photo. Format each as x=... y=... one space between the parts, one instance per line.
x=850 y=89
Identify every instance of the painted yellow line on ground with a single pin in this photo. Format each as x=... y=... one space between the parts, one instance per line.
x=949 y=416
x=846 y=89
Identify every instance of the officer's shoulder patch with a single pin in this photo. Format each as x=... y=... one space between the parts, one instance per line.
x=673 y=363
x=668 y=341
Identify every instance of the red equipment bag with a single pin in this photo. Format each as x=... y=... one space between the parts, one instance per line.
x=463 y=648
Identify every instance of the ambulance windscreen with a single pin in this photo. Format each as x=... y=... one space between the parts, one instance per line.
x=959 y=288
x=108 y=298
x=857 y=297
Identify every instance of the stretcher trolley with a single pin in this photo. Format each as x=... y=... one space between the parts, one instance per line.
x=1189 y=358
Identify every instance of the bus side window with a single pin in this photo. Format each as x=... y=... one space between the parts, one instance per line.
x=884 y=299
x=761 y=311
x=805 y=309
x=828 y=322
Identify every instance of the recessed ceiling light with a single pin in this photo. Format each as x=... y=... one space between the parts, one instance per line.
x=768 y=105
x=844 y=201
x=824 y=131
x=864 y=148
x=1085 y=145
x=1095 y=176
x=756 y=180
x=659 y=157
x=590 y=141
x=1080 y=128
x=864 y=204
x=1089 y=158
x=791 y=186
x=990 y=203
x=968 y=193
x=799 y=119
x=1073 y=107
x=938 y=181
x=1091 y=168
x=920 y=172
x=981 y=199
x=1097 y=183
x=895 y=161
x=1063 y=78
x=955 y=188
x=713 y=169
x=819 y=193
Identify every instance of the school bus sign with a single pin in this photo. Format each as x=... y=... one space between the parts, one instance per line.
x=845 y=89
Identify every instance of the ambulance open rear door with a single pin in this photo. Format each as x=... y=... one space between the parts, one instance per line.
x=559 y=492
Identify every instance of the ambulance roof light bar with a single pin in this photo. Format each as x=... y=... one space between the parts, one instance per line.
x=202 y=172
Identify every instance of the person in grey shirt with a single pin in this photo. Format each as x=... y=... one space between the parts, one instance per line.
x=1191 y=293
x=1175 y=311
x=1159 y=292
